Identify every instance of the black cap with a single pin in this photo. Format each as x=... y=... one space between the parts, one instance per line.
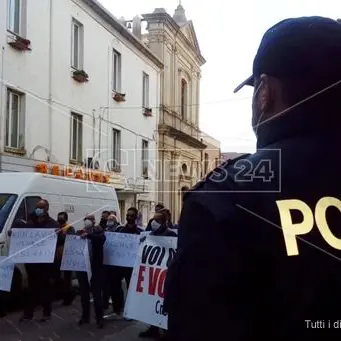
x=300 y=48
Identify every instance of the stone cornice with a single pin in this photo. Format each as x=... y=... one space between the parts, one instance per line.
x=169 y=21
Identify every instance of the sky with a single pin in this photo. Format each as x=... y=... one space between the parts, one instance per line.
x=229 y=33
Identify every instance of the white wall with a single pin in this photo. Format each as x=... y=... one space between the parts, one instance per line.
x=29 y=72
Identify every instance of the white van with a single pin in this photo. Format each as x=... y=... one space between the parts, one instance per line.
x=19 y=193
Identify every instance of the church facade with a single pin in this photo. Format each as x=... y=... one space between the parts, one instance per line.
x=179 y=140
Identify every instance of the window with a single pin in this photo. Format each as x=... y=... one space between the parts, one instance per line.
x=145 y=91
x=116 y=71
x=145 y=159
x=14 y=16
x=77 y=37
x=6 y=204
x=184 y=89
x=206 y=163
x=15 y=120
x=116 y=150
x=76 y=138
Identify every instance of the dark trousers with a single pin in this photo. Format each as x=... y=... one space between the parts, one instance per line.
x=39 y=289
x=95 y=287
x=123 y=273
x=68 y=292
x=63 y=282
x=113 y=288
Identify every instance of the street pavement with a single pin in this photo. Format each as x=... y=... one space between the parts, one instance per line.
x=63 y=327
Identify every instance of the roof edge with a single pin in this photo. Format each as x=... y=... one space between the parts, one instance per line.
x=115 y=23
x=167 y=18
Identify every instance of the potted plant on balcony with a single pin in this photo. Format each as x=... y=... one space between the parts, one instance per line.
x=20 y=44
x=118 y=97
x=147 y=112
x=80 y=76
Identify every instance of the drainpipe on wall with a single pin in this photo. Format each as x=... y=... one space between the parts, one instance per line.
x=93 y=131
x=50 y=79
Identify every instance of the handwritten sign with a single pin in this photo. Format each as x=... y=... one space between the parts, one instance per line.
x=145 y=233
x=33 y=245
x=74 y=254
x=6 y=273
x=121 y=249
x=146 y=291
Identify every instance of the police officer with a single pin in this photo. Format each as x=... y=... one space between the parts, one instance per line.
x=258 y=249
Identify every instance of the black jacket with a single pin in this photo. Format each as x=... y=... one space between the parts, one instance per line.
x=164 y=231
x=97 y=239
x=129 y=230
x=232 y=265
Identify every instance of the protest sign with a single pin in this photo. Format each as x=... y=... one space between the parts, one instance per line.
x=6 y=273
x=121 y=249
x=31 y=245
x=146 y=291
x=145 y=233
x=75 y=255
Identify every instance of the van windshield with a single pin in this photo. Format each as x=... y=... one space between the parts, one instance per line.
x=6 y=204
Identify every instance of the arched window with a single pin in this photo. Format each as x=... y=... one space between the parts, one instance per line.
x=184 y=95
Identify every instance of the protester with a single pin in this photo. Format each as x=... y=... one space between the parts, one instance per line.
x=112 y=276
x=159 y=227
x=158 y=207
x=96 y=236
x=39 y=275
x=65 y=229
x=103 y=222
x=256 y=254
x=123 y=272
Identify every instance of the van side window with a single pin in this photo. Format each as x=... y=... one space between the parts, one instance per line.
x=27 y=206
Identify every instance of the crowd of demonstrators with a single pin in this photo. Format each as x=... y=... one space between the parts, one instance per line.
x=105 y=282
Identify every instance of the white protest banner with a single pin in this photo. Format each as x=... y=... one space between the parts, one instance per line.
x=145 y=233
x=121 y=249
x=74 y=254
x=31 y=245
x=6 y=273
x=146 y=291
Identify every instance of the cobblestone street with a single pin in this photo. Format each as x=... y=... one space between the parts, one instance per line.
x=63 y=326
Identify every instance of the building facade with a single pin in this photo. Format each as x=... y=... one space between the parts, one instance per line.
x=79 y=91
x=212 y=154
x=230 y=155
x=179 y=142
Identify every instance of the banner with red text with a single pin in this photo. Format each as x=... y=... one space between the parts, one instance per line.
x=146 y=291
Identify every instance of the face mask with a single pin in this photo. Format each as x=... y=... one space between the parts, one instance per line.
x=39 y=212
x=155 y=225
x=61 y=221
x=110 y=223
x=87 y=223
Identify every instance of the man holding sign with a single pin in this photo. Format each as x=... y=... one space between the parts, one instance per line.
x=125 y=272
x=39 y=275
